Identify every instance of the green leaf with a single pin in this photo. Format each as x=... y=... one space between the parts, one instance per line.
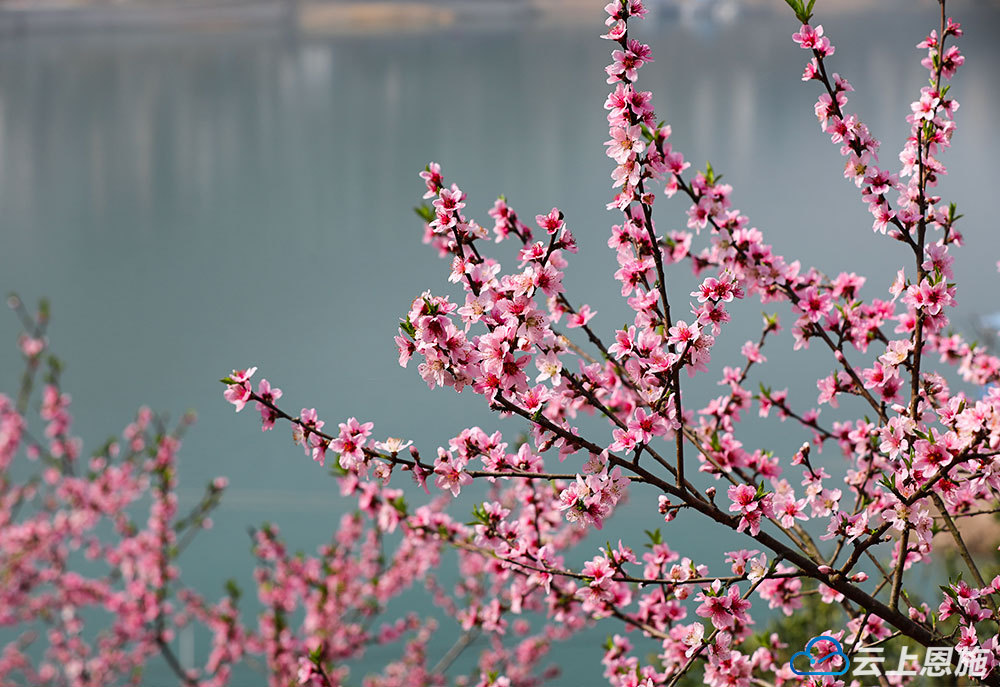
x=400 y=505
x=480 y=516
x=949 y=591
x=424 y=212
x=716 y=444
x=233 y=589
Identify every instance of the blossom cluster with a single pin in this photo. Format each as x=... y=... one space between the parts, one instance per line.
x=89 y=545
x=91 y=552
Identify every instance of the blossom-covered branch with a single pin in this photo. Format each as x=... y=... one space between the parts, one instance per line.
x=930 y=457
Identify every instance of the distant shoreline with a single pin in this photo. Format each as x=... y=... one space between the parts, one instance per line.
x=377 y=16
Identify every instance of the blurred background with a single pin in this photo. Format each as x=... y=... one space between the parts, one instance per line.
x=199 y=185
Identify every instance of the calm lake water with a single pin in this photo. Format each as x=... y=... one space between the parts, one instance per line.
x=194 y=203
